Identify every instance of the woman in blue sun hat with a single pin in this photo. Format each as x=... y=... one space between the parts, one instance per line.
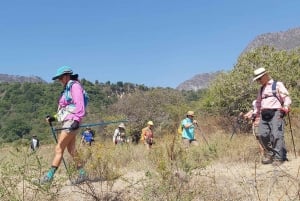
x=71 y=110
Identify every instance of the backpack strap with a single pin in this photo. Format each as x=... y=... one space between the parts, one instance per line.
x=274 y=89
x=274 y=92
x=67 y=91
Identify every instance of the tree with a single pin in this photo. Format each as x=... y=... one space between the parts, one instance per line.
x=15 y=129
x=234 y=91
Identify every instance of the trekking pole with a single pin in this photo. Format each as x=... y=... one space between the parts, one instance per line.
x=202 y=134
x=234 y=128
x=292 y=134
x=233 y=132
x=55 y=138
x=95 y=124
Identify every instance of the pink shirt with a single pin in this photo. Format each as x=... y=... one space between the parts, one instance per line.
x=266 y=100
x=77 y=100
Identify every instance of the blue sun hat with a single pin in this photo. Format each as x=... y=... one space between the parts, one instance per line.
x=61 y=71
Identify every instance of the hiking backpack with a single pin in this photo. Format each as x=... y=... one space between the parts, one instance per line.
x=180 y=129
x=67 y=93
x=273 y=91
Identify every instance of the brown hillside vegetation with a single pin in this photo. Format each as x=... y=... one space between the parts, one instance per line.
x=223 y=169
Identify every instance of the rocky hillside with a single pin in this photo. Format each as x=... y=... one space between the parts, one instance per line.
x=283 y=40
x=21 y=79
x=199 y=81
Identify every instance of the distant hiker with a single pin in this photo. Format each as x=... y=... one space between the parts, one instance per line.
x=135 y=137
x=255 y=117
x=237 y=123
x=87 y=136
x=188 y=132
x=119 y=136
x=273 y=103
x=35 y=143
x=147 y=134
x=71 y=110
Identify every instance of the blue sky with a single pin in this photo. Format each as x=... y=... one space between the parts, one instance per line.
x=151 y=42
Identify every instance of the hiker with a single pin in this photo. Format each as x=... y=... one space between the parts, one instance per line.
x=87 y=136
x=35 y=143
x=255 y=121
x=119 y=136
x=188 y=132
x=237 y=123
x=71 y=110
x=147 y=135
x=272 y=103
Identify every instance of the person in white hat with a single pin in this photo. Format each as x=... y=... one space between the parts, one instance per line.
x=147 y=134
x=119 y=136
x=188 y=132
x=272 y=103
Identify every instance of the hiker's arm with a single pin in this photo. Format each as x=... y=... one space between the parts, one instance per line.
x=284 y=95
x=248 y=115
x=187 y=124
x=78 y=101
x=257 y=104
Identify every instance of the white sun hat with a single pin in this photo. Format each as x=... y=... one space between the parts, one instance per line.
x=121 y=125
x=259 y=73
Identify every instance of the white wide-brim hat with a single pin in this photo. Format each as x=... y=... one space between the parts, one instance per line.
x=121 y=125
x=259 y=73
x=150 y=123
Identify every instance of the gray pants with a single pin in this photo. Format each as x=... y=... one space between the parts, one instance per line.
x=271 y=135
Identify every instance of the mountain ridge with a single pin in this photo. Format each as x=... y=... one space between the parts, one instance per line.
x=21 y=79
x=197 y=82
x=282 y=40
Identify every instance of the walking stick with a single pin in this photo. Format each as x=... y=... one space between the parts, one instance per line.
x=55 y=138
x=94 y=124
x=233 y=132
x=261 y=149
x=234 y=127
x=202 y=134
x=292 y=134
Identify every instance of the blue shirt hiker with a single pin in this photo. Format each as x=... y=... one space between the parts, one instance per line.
x=87 y=136
x=188 y=131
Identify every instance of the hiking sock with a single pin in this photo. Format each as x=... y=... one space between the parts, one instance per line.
x=81 y=171
x=51 y=172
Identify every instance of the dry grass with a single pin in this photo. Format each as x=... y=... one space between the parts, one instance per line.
x=221 y=170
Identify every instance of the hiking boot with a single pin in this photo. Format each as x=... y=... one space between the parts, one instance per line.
x=80 y=179
x=267 y=160
x=43 y=180
x=277 y=162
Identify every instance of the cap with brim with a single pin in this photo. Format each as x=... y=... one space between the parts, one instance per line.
x=190 y=113
x=61 y=71
x=259 y=73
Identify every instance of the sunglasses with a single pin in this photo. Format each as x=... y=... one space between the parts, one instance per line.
x=258 y=79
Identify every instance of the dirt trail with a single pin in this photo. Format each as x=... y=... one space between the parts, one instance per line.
x=254 y=181
x=240 y=181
